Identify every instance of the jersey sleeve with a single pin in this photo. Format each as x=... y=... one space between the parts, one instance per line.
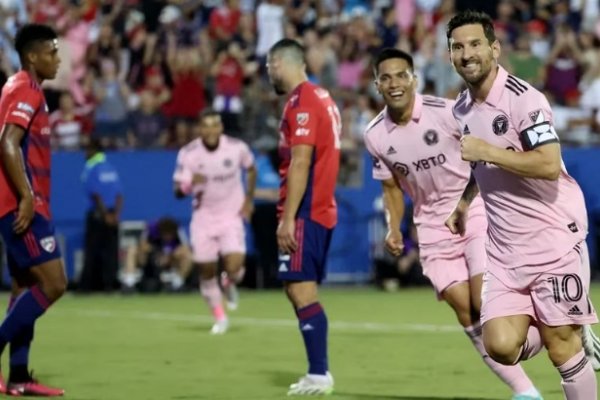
x=247 y=158
x=303 y=123
x=23 y=106
x=534 y=121
x=183 y=174
x=381 y=172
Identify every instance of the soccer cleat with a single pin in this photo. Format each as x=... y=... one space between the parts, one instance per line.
x=220 y=327
x=231 y=292
x=312 y=385
x=33 y=388
x=591 y=346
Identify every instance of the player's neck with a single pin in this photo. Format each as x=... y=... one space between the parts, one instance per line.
x=480 y=92
x=211 y=147
x=296 y=81
x=32 y=74
x=402 y=116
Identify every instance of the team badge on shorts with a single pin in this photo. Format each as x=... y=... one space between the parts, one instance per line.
x=48 y=244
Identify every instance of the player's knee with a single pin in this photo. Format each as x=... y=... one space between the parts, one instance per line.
x=501 y=347
x=55 y=289
x=207 y=271
x=563 y=345
x=301 y=294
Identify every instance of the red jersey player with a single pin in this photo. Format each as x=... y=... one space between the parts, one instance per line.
x=309 y=150
x=34 y=259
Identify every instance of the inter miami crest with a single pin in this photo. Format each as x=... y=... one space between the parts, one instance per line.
x=500 y=125
x=431 y=137
x=227 y=163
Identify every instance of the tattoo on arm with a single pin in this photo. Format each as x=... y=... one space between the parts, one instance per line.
x=471 y=190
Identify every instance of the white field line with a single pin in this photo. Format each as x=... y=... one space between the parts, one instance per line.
x=258 y=322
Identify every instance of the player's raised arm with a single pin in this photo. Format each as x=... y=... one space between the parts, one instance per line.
x=12 y=158
x=543 y=162
x=540 y=157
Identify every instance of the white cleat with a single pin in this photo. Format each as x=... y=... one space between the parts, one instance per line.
x=591 y=346
x=312 y=385
x=220 y=327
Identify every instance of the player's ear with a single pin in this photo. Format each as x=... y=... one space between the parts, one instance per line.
x=496 y=49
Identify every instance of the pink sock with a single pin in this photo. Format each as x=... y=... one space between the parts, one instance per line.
x=210 y=291
x=513 y=375
x=532 y=345
x=239 y=276
x=578 y=378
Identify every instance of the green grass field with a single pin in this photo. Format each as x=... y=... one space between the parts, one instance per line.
x=383 y=346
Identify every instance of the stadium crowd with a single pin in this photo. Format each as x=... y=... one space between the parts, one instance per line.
x=136 y=73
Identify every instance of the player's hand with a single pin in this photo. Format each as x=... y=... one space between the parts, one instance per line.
x=457 y=221
x=394 y=242
x=198 y=179
x=24 y=215
x=472 y=148
x=285 y=237
x=247 y=209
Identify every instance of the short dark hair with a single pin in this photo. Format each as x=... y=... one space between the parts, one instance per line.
x=167 y=225
x=95 y=145
x=289 y=47
x=470 y=17
x=390 y=53
x=207 y=113
x=30 y=35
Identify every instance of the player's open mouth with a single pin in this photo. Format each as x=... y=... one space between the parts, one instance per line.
x=396 y=95
x=470 y=67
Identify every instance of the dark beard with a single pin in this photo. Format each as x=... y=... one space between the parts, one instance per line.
x=279 y=91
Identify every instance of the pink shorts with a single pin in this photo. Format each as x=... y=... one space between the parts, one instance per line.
x=453 y=261
x=211 y=240
x=555 y=294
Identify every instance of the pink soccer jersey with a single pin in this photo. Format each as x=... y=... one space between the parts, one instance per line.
x=532 y=221
x=222 y=193
x=423 y=156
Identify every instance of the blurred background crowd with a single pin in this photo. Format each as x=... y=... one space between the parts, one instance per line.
x=136 y=73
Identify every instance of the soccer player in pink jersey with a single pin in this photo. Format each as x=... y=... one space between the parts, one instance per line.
x=415 y=145
x=210 y=169
x=34 y=259
x=537 y=266
x=309 y=153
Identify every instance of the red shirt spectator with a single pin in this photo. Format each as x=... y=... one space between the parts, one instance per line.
x=224 y=21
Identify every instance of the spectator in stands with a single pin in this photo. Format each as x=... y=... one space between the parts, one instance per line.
x=103 y=188
x=229 y=70
x=111 y=97
x=70 y=128
x=162 y=259
x=147 y=126
x=564 y=64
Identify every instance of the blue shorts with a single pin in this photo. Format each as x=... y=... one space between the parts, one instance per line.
x=309 y=262
x=36 y=246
